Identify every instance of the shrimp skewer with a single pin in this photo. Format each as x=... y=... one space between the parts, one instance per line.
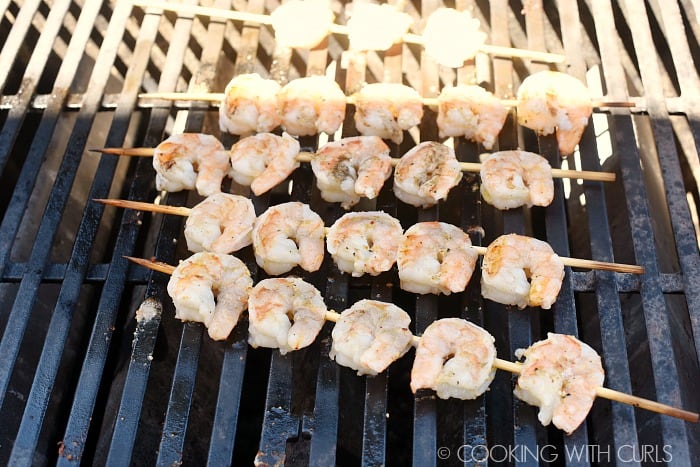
x=287 y=235
x=455 y=358
x=386 y=110
x=222 y=223
x=212 y=289
x=426 y=174
x=333 y=28
x=364 y=242
x=249 y=105
x=508 y=262
x=505 y=365
x=370 y=335
x=312 y=105
x=510 y=179
x=285 y=313
x=434 y=257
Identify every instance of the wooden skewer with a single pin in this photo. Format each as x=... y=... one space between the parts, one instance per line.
x=217 y=97
x=338 y=29
x=512 y=367
x=150 y=207
x=473 y=167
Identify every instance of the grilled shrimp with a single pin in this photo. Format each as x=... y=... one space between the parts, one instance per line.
x=549 y=101
x=211 y=288
x=250 y=105
x=510 y=179
x=434 y=257
x=285 y=313
x=287 y=235
x=560 y=376
x=302 y=23
x=222 y=223
x=508 y=263
x=454 y=358
x=426 y=174
x=364 y=242
x=263 y=161
x=376 y=27
x=370 y=335
x=472 y=112
x=386 y=109
x=311 y=105
x=451 y=37
x=350 y=168
x=190 y=160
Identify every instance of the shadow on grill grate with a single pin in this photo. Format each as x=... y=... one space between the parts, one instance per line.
x=81 y=379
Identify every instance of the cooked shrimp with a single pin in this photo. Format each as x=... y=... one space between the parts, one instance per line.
x=222 y=223
x=510 y=179
x=251 y=105
x=364 y=242
x=370 y=335
x=190 y=160
x=550 y=100
x=454 y=358
x=211 y=288
x=451 y=37
x=376 y=27
x=426 y=174
x=302 y=23
x=350 y=168
x=386 y=109
x=287 y=235
x=285 y=313
x=263 y=161
x=471 y=112
x=435 y=257
x=560 y=376
x=311 y=105
x=508 y=263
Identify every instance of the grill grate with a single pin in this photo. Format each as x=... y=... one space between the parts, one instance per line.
x=82 y=381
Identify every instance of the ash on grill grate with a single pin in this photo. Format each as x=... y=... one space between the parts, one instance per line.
x=81 y=380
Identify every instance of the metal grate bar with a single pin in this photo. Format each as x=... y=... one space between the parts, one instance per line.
x=16 y=38
x=59 y=325
x=653 y=302
x=26 y=295
x=56 y=272
x=615 y=358
x=30 y=80
x=130 y=406
x=185 y=376
x=683 y=228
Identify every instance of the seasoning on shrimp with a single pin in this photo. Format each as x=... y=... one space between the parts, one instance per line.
x=263 y=161
x=222 y=223
x=386 y=110
x=370 y=336
x=510 y=179
x=364 y=242
x=351 y=168
x=190 y=160
x=549 y=101
x=284 y=313
x=250 y=105
x=471 y=112
x=454 y=358
x=312 y=105
x=507 y=264
x=560 y=375
x=287 y=235
x=211 y=288
x=435 y=257
x=426 y=174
